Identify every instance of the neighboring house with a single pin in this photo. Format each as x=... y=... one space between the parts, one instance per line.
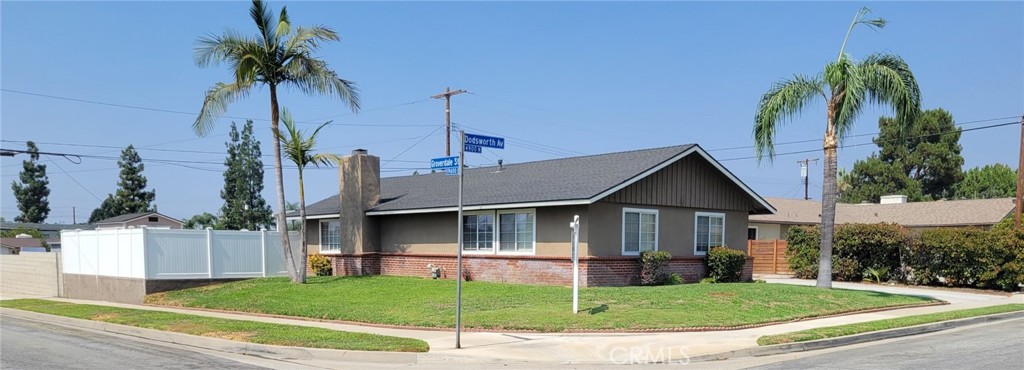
x=892 y=209
x=48 y=230
x=27 y=244
x=152 y=220
x=516 y=217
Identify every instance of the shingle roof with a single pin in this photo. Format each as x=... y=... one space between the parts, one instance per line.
x=915 y=214
x=131 y=216
x=44 y=227
x=567 y=179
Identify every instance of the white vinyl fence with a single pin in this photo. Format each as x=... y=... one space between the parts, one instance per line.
x=162 y=254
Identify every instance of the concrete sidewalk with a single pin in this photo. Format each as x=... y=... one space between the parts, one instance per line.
x=573 y=348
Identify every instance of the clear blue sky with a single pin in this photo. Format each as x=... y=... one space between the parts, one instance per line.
x=557 y=79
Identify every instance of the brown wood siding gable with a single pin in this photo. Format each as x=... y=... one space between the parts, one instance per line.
x=690 y=182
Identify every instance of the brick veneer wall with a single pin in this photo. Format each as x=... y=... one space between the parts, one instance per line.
x=594 y=271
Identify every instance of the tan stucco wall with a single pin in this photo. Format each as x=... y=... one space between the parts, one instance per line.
x=29 y=273
x=771 y=231
x=675 y=229
x=437 y=232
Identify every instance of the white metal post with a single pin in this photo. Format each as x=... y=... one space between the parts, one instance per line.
x=575 y=225
x=458 y=269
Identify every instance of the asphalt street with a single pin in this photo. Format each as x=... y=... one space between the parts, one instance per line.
x=29 y=345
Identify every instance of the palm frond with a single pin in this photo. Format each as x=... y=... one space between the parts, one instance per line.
x=264 y=22
x=216 y=103
x=888 y=80
x=213 y=49
x=848 y=92
x=781 y=103
x=297 y=146
x=313 y=76
x=308 y=40
x=284 y=26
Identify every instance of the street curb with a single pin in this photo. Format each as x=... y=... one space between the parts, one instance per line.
x=251 y=349
x=856 y=338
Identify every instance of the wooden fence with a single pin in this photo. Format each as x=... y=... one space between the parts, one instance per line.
x=769 y=256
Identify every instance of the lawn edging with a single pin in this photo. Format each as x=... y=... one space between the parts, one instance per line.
x=778 y=349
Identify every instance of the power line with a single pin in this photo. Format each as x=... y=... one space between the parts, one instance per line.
x=76 y=181
x=412 y=146
x=194 y=114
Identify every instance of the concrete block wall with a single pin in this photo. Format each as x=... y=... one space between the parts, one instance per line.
x=31 y=274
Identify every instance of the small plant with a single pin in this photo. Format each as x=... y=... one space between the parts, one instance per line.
x=876 y=274
x=320 y=265
x=674 y=279
x=708 y=280
x=652 y=267
x=726 y=265
x=759 y=281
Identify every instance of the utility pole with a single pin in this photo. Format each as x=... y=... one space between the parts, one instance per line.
x=447 y=95
x=73 y=220
x=803 y=173
x=1020 y=177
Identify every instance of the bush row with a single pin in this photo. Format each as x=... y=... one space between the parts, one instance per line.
x=723 y=265
x=962 y=257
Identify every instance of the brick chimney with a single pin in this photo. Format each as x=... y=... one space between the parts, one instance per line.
x=359 y=182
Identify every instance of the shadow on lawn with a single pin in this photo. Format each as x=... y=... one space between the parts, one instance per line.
x=597 y=310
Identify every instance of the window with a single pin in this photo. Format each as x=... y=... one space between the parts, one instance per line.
x=154 y=219
x=478 y=232
x=516 y=231
x=639 y=230
x=330 y=236
x=709 y=232
x=752 y=233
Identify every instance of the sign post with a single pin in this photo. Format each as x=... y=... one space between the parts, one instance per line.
x=575 y=226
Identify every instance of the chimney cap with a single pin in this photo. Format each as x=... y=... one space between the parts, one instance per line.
x=359 y=152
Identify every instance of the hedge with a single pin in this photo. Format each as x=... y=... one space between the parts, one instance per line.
x=961 y=257
x=725 y=265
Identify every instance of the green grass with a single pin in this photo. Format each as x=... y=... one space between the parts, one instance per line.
x=864 y=327
x=238 y=330
x=411 y=301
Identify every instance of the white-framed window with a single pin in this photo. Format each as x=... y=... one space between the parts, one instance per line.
x=517 y=231
x=752 y=232
x=639 y=231
x=709 y=232
x=512 y=231
x=478 y=232
x=330 y=236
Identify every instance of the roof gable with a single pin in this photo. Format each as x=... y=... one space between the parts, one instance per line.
x=133 y=216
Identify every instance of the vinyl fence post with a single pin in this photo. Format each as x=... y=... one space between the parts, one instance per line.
x=209 y=252
x=263 y=252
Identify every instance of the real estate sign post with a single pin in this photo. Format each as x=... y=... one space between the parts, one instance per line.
x=467 y=143
x=575 y=226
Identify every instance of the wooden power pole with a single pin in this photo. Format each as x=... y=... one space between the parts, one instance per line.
x=447 y=95
x=1020 y=177
x=804 y=164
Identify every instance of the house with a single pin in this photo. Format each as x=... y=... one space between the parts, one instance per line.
x=25 y=243
x=891 y=209
x=48 y=230
x=142 y=219
x=515 y=224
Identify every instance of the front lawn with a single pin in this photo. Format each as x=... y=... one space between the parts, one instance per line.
x=412 y=301
x=238 y=330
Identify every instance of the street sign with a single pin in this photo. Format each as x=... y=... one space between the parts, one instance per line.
x=485 y=141
x=473 y=148
x=448 y=165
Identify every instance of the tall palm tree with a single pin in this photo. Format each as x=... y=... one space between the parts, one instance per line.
x=845 y=86
x=299 y=150
x=277 y=56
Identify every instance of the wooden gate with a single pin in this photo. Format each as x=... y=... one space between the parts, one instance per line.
x=769 y=256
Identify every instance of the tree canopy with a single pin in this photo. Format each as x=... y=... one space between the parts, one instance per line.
x=991 y=181
x=244 y=206
x=131 y=195
x=32 y=190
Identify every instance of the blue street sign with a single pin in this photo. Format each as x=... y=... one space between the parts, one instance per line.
x=485 y=141
x=444 y=163
x=473 y=148
x=451 y=171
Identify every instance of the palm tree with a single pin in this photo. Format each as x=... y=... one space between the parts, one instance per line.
x=299 y=150
x=277 y=56
x=845 y=86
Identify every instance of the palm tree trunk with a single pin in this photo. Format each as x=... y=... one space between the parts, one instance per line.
x=828 y=205
x=282 y=227
x=302 y=216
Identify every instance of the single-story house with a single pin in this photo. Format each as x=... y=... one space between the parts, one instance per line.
x=516 y=217
x=47 y=230
x=891 y=209
x=151 y=220
x=25 y=243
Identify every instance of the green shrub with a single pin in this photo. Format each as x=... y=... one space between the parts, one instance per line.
x=878 y=275
x=725 y=265
x=708 y=280
x=952 y=256
x=674 y=279
x=320 y=265
x=856 y=247
x=652 y=267
x=1006 y=272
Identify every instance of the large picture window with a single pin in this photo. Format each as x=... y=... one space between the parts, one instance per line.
x=639 y=230
x=709 y=232
x=503 y=231
x=478 y=232
x=330 y=236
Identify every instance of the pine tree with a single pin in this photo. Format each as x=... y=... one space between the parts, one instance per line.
x=244 y=206
x=33 y=189
x=131 y=195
